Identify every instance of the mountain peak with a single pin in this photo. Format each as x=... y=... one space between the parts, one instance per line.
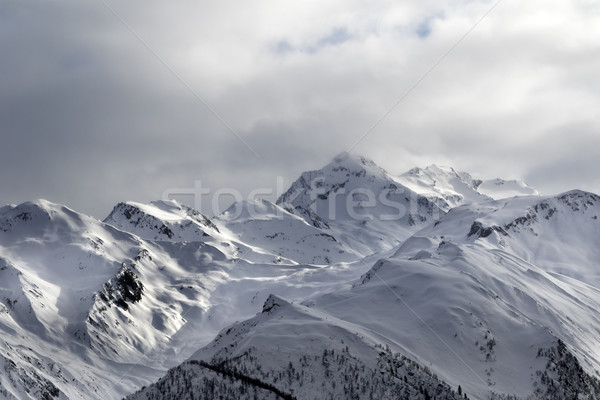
x=355 y=162
x=444 y=183
x=456 y=187
x=161 y=220
x=345 y=169
x=341 y=157
x=500 y=188
x=432 y=169
x=351 y=158
x=36 y=214
x=351 y=192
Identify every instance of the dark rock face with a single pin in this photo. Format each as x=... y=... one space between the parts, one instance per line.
x=123 y=289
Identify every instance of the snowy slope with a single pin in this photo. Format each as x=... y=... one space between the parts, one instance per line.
x=53 y=262
x=290 y=351
x=429 y=282
x=489 y=269
x=270 y=229
x=360 y=203
x=477 y=317
x=125 y=308
x=497 y=296
x=449 y=187
x=481 y=315
x=558 y=233
x=500 y=188
x=161 y=220
x=105 y=297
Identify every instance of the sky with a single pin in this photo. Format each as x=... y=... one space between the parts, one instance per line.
x=105 y=101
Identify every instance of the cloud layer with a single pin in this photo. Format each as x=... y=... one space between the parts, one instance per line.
x=103 y=102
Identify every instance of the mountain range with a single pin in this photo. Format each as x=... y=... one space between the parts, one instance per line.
x=355 y=284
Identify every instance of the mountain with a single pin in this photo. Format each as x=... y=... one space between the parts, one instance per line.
x=430 y=284
x=455 y=300
x=361 y=204
x=83 y=299
x=451 y=188
x=370 y=210
x=483 y=315
x=88 y=310
x=260 y=230
x=162 y=220
x=294 y=352
x=500 y=188
x=558 y=233
x=281 y=236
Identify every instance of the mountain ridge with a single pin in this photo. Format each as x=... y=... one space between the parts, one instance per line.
x=141 y=291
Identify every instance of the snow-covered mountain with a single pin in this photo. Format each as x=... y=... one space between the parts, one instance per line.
x=91 y=311
x=431 y=284
x=452 y=188
x=370 y=210
x=290 y=351
x=162 y=220
x=281 y=236
x=359 y=203
x=475 y=299
x=91 y=298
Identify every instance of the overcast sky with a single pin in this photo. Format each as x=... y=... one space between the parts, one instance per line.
x=102 y=102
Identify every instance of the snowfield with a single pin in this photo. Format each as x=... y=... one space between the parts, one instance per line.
x=355 y=284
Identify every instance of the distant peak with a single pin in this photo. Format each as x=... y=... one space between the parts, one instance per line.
x=42 y=204
x=39 y=206
x=345 y=172
x=441 y=169
x=578 y=196
x=345 y=157
x=432 y=169
x=416 y=171
x=166 y=203
x=354 y=163
x=162 y=215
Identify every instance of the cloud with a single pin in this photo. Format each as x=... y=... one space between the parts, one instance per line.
x=335 y=38
x=425 y=27
x=89 y=116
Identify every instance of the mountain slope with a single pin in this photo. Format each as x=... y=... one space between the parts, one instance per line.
x=370 y=210
x=482 y=314
x=476 y=297
x=486 y=320
x=449 y=187
x=359 y=203
x=405 y=286
x=103 y=296
x=113 y=311
x=297 y=353
x=283 y=236
x=162 y=220
x=557 y=233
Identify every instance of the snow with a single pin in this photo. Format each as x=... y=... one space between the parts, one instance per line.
x=59 y=265
x=469 y=278
x=499 y=188
x=285 y=236
x=451 y=187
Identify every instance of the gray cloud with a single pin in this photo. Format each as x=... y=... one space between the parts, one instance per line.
x=89 y=116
